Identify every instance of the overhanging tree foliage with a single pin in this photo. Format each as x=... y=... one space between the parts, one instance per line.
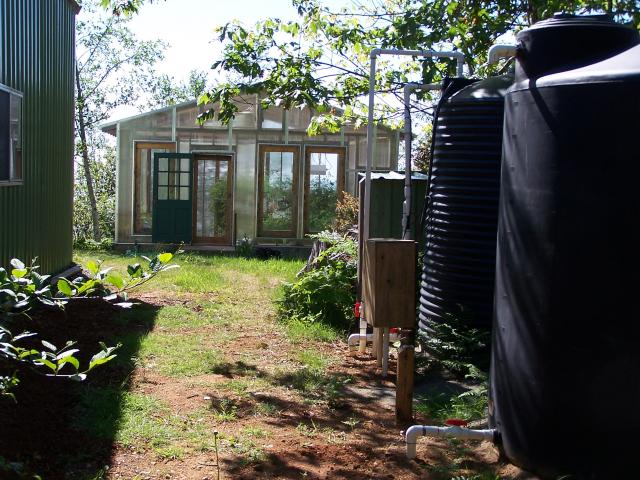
x=322 y=59
x=113 y=68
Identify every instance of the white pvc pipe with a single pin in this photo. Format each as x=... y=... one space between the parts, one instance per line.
x=385 y=351
x=362 y=336
x=413 y=433
x=354 y=338
x=498 y=51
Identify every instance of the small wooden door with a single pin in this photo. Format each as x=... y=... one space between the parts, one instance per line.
x=172 y=197
x=213 y=199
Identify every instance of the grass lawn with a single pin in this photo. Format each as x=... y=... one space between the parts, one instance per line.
x=207 y=375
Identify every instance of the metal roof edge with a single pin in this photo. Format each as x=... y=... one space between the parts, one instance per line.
x=113 y=123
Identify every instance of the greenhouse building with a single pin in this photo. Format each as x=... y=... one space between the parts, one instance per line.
x=260 y=178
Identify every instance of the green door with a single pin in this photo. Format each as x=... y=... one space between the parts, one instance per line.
x=172 y=197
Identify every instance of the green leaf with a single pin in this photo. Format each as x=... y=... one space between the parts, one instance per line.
x=67 y=353
x=89 y=284
x=165 y=257
x=100 y=361
x=48 y=363
x=64 y=287
x=135 y=270
x=93 y=267
x=48 y=345
x=70 y=359
x=19 y=273
x=116 y=280
x=78 y=377
x=17 y=264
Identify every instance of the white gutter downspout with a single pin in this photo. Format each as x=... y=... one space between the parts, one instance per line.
x=406 y=207
x=412 y=434
x=498 y=51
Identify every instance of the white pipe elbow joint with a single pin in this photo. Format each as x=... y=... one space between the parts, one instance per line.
x=496 y=52
x=411 y=439
x=415 y=431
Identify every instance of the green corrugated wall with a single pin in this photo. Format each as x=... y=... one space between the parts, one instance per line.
x=37 y=58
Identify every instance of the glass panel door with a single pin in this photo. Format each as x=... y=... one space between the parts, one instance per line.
x=213 y=207
x=172 y=199
x=324 y=183
x=278 y=186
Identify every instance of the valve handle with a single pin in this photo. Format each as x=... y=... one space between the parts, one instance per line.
x=456 y=422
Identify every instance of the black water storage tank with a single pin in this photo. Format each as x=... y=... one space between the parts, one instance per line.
x=565 y=373
x=462 y=206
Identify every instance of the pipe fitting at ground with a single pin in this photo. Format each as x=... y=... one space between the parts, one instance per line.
x=414 y=432
x=355 y=338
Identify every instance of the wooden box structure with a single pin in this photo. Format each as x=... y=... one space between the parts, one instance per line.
x=389 y=282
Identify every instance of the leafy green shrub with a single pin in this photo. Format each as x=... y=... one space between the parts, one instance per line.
x=326 y=292
x=22 y=287
x=455 y=345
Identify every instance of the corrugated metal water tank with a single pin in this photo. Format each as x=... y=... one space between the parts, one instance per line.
x=462 y=205
x=565 y=388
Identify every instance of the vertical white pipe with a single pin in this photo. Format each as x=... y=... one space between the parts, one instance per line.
x=406 y=207
x=385 y=351
x=364 y=235
x=362 y=347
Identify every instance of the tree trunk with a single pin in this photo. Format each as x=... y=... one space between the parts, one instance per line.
x=95 y=217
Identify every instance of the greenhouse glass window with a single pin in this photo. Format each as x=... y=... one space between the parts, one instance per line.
x=324 y=183
x=10 y=135
x=143 y=184
x=278 y=191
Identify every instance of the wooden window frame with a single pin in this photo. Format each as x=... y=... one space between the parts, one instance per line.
x=262 y=150
x=137 y=146
x=228 y=238
x=309 y=149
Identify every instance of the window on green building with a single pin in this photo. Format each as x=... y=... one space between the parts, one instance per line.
x=10 y=135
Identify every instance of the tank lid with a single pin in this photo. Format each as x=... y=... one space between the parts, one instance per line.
x=566 y=42
x=489 y=89
x=624 y=67
x=569 y=20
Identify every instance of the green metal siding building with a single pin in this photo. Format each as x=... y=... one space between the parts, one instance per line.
x=37 y=55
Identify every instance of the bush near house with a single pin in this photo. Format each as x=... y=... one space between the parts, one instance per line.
x=326 y=289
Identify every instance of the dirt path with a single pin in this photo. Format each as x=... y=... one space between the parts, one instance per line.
x=278 y=407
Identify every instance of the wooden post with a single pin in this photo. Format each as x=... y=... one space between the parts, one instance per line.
x=404 y=380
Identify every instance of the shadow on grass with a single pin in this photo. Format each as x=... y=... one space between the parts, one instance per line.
x=65 y=430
